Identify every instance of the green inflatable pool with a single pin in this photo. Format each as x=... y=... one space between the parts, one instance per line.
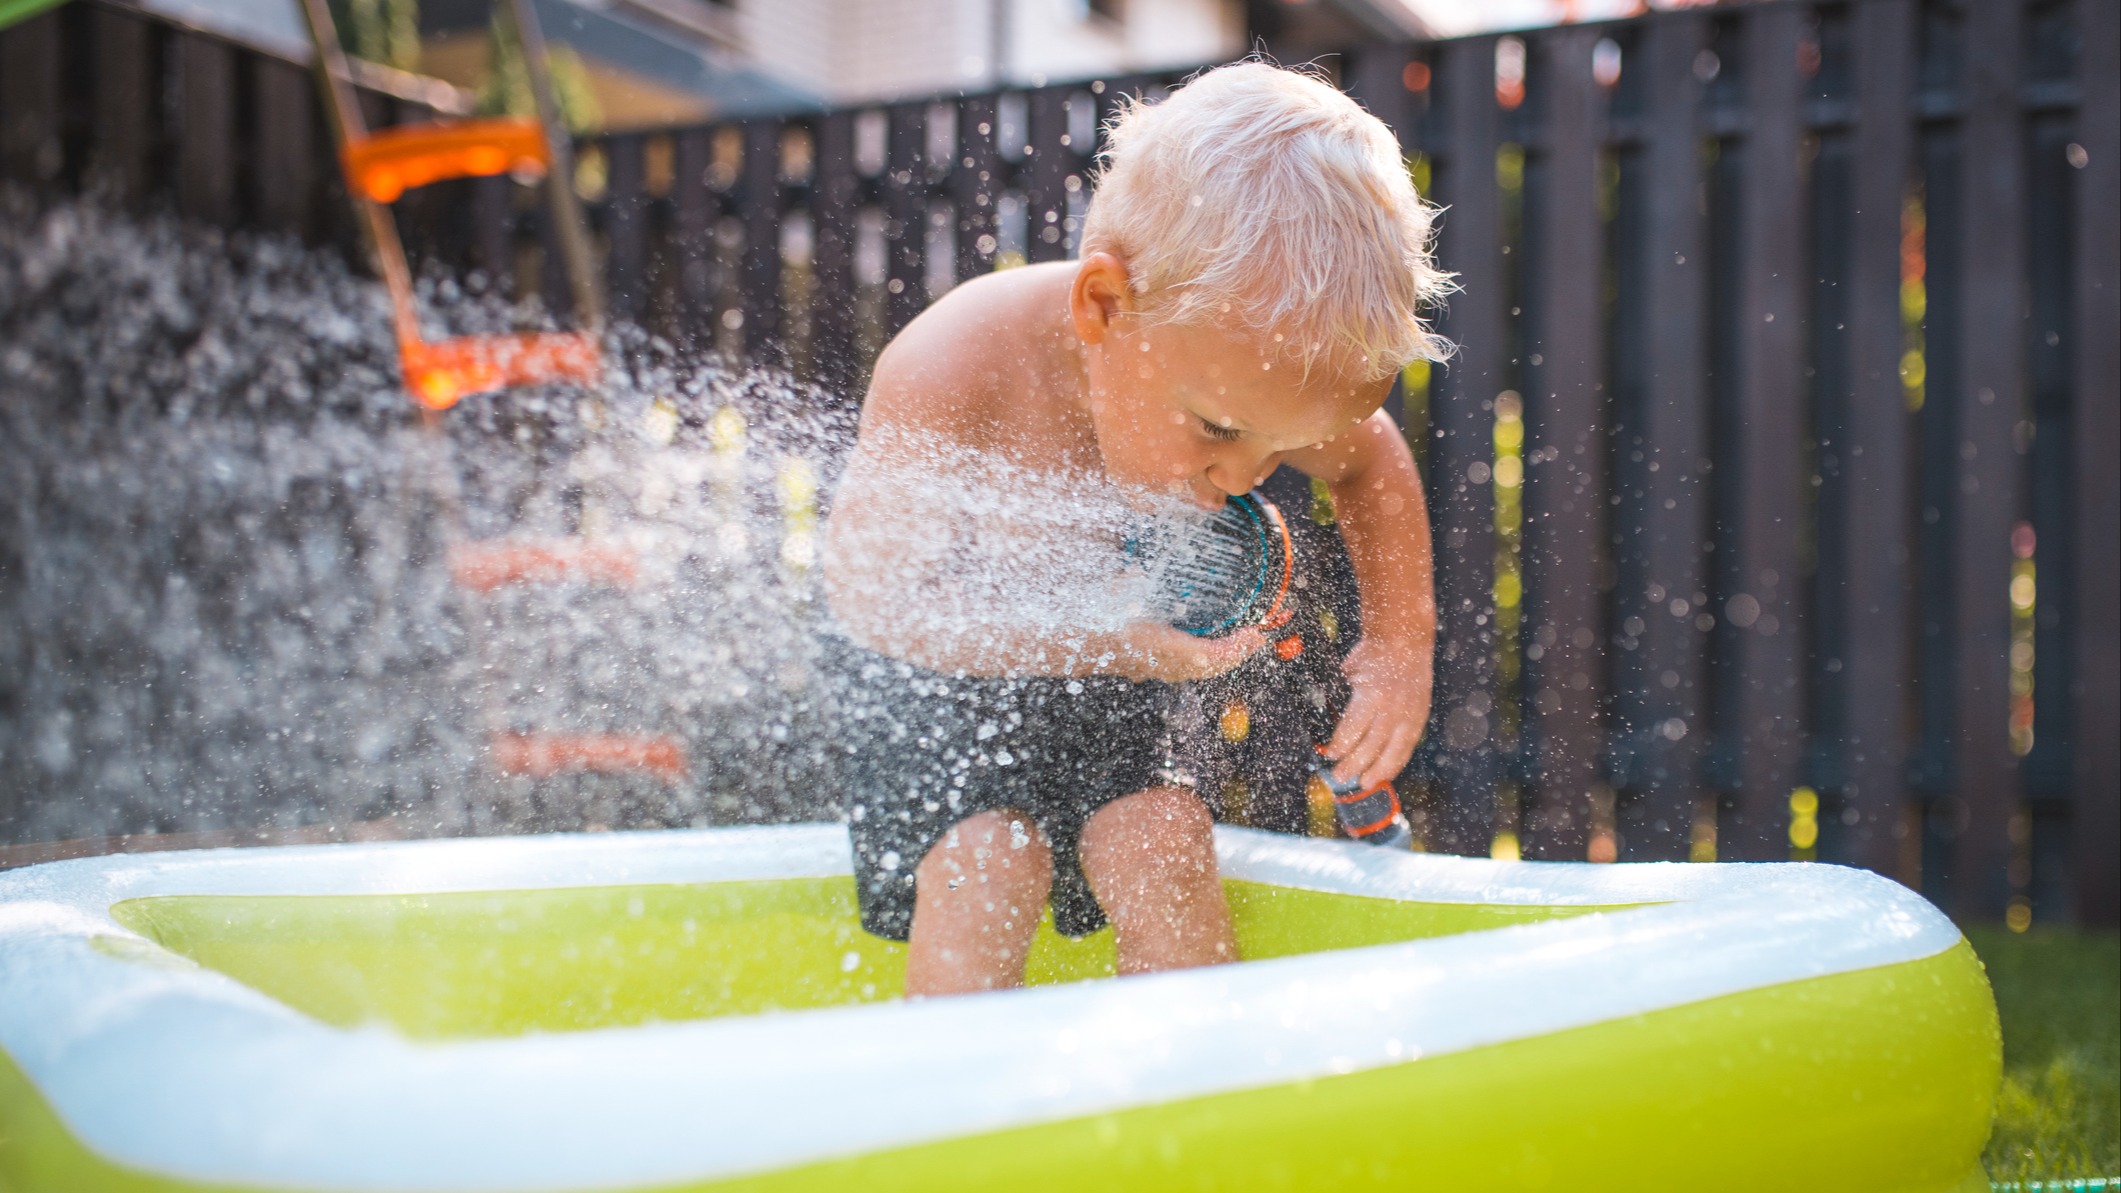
x=698 y=1010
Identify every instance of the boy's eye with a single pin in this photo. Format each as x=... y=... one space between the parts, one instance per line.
x=1214 y=431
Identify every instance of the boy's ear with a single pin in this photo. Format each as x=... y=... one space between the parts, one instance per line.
x=1102 y=294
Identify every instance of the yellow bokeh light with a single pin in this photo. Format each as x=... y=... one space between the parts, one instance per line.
x=725 y=431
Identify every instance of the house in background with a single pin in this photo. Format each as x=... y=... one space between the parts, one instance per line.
x=644 y=63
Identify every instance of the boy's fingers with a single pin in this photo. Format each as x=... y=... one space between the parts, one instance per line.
x=1363 y=758
x=1393 y=758
x=1349 y=731
x=1356 y=740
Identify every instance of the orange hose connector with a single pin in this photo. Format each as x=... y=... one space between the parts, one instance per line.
x=543 y=755
x=441 y=372
x=386 y=164
x=485 y=566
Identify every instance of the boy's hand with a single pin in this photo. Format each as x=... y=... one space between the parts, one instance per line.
x=1388 y=709
x=1147 y=650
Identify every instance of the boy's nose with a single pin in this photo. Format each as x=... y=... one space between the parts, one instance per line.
x=1232 y=477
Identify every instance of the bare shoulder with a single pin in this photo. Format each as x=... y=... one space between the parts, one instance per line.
x=970 y=360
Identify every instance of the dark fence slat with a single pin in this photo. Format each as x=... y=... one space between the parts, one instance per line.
x=2096 y=631
x=1050 y=165
x=1770 y=389
x=906 y=217
x=976 y=186
x=1989 y=402
x=30 y=57
x=120 y=122
x=2041 y=876
x=1565 y=453
x=1375 y=79
x=692 y=236
x=283 y=175
x=1931 y=763
x=552 y=287
x=1876 y=460
x=1664 y=505
x=832 y=312
x=626 y=227
x=1461 y=452
x=493 y=230
x=206 y=133
x=759 y=278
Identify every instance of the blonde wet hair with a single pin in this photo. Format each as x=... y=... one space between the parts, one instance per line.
x=1261 y=199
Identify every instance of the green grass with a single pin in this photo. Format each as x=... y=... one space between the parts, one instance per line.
x=2058 y=1115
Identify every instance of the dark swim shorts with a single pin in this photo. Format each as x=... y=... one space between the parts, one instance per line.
x=923 y=751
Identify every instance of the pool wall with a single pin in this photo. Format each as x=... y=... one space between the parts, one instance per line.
x=1729 y=1027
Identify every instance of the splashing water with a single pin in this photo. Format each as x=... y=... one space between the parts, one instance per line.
x=246 y=580
x=252 y=588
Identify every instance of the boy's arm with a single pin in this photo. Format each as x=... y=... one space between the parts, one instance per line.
x=1385 y=522
x=879 y=551
x=873 y=583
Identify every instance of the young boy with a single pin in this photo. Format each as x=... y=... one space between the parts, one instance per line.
x=1252 y=277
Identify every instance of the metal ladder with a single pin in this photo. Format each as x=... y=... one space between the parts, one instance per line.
x=379 y=166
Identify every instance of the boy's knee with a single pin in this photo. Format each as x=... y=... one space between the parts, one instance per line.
x=1002 y=847
x=1170 y=826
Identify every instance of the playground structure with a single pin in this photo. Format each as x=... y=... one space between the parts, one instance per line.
x=378 y=168
x=1902 y=663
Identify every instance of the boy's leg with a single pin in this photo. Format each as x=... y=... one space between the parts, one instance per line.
x=1150 y=859
x=978 y=896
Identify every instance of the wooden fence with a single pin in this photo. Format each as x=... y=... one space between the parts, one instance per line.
x=1776 y=513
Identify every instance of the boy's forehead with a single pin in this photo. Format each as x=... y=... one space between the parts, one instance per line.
x=1292 y=417
x=1271 y=358
x=1258 y=381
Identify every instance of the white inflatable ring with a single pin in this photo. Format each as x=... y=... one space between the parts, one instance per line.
x=1713 y=1027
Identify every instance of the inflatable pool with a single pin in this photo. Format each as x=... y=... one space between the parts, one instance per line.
x=698 y=1010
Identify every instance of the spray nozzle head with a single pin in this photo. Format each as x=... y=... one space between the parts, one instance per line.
x=1216 y=575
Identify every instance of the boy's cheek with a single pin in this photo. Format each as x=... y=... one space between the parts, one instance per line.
x=1143 y=452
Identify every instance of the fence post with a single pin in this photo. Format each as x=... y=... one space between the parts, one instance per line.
x=1461 y=454
x=30 y=148
x=1875 y=459
x=283 y=180
x=1565 y=449
x=1664 y=500
x=2095 y=826
x=1375 y=79
x=121 y=121
x=905 y=217
x=834 y=195
x=1768 y=701
x=692 y=237
x=976 y=185
x=1989 y=402
x=1045 y=240
x=206 y=132
x=626 y=226
x=759 y=279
